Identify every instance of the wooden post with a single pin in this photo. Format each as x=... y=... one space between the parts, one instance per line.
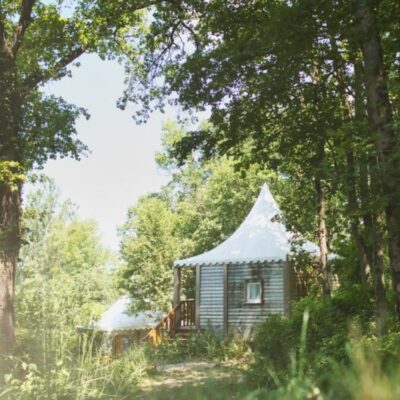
x=287 y=289
x=117 y=346
x=177 y=286
x=177 y=298
x=197 y=301
x=225 y=319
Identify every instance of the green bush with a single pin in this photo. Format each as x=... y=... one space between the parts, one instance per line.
x=197 y=345
x=277 y=340
x=273 y=343
x=201 y=345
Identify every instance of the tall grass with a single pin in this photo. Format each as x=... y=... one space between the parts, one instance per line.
x=371 y=370
x=88 y=376
x=203 y=345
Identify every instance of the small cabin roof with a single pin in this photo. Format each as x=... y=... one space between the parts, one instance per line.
x=260 y=238
x=118 y=318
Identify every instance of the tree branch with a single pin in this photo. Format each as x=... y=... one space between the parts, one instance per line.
x=24 y=21
x=40 y=77
x=43 y=76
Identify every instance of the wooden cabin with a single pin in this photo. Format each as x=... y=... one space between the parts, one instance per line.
x=240 y=282
x=118 y=329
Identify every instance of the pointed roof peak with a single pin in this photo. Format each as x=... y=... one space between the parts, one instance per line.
x=261 y=237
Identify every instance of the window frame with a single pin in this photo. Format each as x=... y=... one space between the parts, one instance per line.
x=247 y=292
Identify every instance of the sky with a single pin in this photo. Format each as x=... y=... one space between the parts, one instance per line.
x=121 y=165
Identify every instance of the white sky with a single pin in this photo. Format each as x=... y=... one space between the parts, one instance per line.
x=121 y=165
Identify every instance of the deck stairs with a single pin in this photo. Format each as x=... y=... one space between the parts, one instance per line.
x=179 y=322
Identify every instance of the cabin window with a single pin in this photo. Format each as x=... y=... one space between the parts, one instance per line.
x=254 y=292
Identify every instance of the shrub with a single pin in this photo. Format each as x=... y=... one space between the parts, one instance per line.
x=277 y=340
x=202 y=345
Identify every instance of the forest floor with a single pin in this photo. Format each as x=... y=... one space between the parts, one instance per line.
x=195 y=380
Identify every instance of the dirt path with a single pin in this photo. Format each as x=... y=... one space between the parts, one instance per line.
x=195 y=380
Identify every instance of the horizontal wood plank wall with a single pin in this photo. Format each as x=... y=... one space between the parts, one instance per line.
x=212 y=298
x=243 y=317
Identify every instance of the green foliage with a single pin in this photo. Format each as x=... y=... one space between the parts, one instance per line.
x=85 y=378
x=64 y=278
x=200 y=346
x=331 y=355
x=149 y=248
x=277 y=341
x=11 y=174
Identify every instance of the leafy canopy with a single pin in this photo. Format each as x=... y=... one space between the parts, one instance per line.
x=39 y=42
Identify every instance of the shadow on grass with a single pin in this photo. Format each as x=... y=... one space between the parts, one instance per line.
x=195 y=381
x=203 y=390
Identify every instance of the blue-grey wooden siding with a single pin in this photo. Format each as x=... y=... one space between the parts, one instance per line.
x=242 y=316
x=212 y=298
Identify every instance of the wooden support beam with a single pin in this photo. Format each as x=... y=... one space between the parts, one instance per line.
x=197 y=301
x=177 y=286
x=286 y=287
x=225 y=319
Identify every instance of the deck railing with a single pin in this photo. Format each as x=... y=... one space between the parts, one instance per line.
x=186 y=314
x=181 y=316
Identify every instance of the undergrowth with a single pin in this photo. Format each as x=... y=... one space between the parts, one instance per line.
x=203 y=345
x=68 y=378
x=326 y=350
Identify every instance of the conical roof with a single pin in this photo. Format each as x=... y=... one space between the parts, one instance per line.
x=261 y=237
x=117 y=318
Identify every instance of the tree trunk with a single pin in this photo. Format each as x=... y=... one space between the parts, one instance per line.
x=320 y=192
x=349 y=114
x=373 y=224
x=353 y=207
x=323 y=238
x=381 y=116
x=363 y=167
x=10 y=196
x=10 y=242
x=374 y=228
x=379 y=278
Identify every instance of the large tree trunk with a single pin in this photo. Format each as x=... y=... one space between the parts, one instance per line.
x=380 y=113
x=10 y=242
x=10 y=196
